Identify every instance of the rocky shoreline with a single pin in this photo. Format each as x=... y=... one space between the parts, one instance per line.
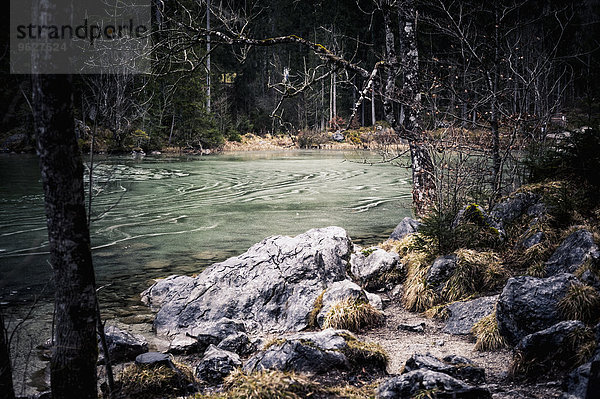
x=315 y=315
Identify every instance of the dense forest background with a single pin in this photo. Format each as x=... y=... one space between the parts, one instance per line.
x=530 y=63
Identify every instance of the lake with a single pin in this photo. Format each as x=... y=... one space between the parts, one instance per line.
x=171 y=215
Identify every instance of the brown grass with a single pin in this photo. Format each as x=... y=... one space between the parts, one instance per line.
x=581 y=302
x=352 y=314
x=487 y=336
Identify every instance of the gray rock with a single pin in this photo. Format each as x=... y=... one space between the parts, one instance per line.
x=16 y=142
x=317 y=352
x=515 y=206
x=476 y=214
x=440 y=271
x=549 y=346
x=154 y=359
x=572 y=253
x=339 y=137
x=122 y=345
x=576 y=384
x=209 y=333
x=464 y=315
x=531 y=240
x=455 y=366
x=370 y=269
x=339 y=291
x=216 y=365
x=272 y=287
x=407 y=385
x=375 y=300
x=416 y=328
x=238 y=343
x=405 y=227
x=529 y=304
x=590 y=278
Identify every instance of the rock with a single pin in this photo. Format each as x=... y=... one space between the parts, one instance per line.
x=463 y=315
x=576 y=383
x=416 y=328
x=272 y=287
x=370 y=267
x=529 y=304
x=572 y=253
x=590 y=278
x=122 y=345
x=15 y=143
x=339 y=291
x=515 y=206
x=549 y=346
x=216 y=365
x=440 y=271
x=455 y=366
x=211 y=333
x=317 y=352
x=375 y=300
x=474 y=213
x=166 y=290
x=405 y=227
x=445 y=386
x=238 y=343
x=154 y=359
x=531 y=240
x=339 y=137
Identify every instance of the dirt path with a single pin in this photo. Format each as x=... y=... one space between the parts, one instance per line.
x=400 y=345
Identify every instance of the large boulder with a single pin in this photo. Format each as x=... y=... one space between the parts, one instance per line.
x=317 y=352
x=216 y=365
x=405 y=227
x=464 y=315
x=529 y=304
x=122 y=345
x=272 y=287
x=440 y=271
x=444 y=386
x=455 y=366
x=552 y=347
x=572 y=253
x=375 y=268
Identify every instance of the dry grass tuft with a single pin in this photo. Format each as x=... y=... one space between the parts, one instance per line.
x=268 y=385
x=417 y=297
x=487 y=334
x=352 y=314
x=439 y=312
x=475 y=272
x=317 y=306
x=369 y=355
x=141 y=382
x=274 y=384
x=581 y=302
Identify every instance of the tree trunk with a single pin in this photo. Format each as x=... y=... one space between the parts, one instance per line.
x=6 y=383
x=423 y=191
x=75 y=349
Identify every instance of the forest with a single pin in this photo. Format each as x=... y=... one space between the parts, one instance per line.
x=490 y=109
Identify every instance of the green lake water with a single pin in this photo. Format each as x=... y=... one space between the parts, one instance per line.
x=167 y=215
